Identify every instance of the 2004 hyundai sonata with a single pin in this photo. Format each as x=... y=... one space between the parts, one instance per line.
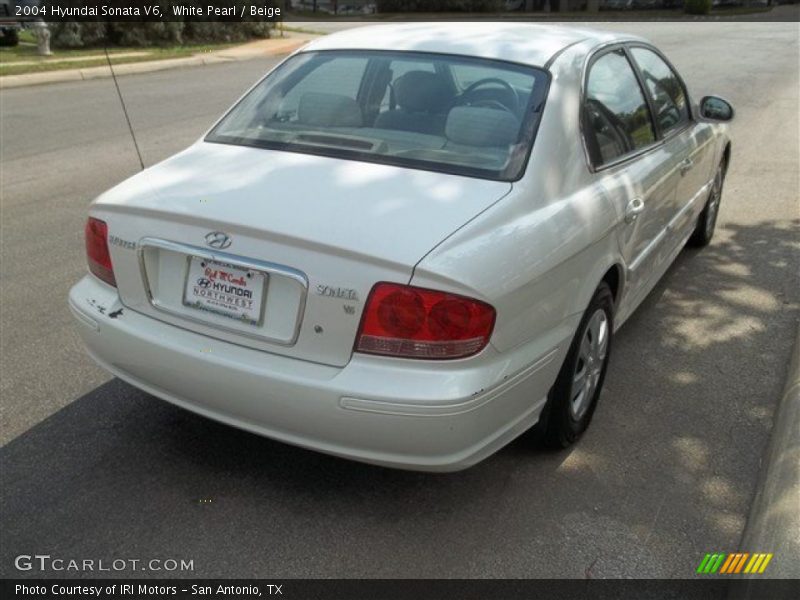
x=408 y=244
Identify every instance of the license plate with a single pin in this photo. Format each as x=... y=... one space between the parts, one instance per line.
x=227 y=290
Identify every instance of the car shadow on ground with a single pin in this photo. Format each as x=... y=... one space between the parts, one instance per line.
x=669 y=464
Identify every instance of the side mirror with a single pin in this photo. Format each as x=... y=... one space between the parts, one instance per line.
x=715 y=108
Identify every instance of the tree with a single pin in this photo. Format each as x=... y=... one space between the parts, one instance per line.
x=71 y=34
x=697 y=7
x=439 y=5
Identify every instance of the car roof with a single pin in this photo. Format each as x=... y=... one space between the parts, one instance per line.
x=525 y=43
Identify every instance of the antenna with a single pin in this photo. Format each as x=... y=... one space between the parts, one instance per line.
x=124 y=108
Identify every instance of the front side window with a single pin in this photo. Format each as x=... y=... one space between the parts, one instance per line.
x=665 y=89
x=616 y=112
x=437 y=112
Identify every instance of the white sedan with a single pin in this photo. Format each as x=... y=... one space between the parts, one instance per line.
x=408 y=244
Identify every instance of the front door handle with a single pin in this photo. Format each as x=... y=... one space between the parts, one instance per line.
x=686 y=166
x=634 y=209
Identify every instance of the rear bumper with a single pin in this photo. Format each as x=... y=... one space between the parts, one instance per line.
x=416 y=415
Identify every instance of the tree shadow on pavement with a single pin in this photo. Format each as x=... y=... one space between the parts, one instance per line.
x=665 y=473
x=673 y=454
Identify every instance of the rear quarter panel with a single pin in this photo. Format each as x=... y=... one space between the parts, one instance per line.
x=539 y=254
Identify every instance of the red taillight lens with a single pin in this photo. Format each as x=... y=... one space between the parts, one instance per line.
x=411 y=322
x=97 y=250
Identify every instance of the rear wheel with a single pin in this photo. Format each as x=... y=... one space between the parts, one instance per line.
x=707 y=221
x=573 y=398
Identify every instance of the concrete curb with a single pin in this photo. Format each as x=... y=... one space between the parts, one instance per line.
x=774 y=521
x=244 y=52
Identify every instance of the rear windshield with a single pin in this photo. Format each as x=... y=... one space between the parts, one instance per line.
x=436 y=112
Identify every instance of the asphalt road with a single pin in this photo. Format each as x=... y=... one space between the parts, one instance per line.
x=93 y=468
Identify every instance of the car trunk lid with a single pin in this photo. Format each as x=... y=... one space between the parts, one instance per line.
x=314 y=232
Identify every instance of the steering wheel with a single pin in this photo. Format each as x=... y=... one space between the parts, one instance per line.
x=511 y=93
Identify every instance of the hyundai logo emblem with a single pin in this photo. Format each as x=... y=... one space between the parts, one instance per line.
x=218 y=240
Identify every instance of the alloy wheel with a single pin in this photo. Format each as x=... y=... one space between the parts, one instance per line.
x=713 y=204
x=589 y=366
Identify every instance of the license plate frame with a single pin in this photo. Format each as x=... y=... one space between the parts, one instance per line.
x=225 y=289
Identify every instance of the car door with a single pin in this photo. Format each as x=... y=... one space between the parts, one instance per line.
x=686 y=142
x=632 y=168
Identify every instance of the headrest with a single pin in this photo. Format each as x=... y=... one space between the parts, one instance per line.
x=329 y=110
x=478 y=126
x=421 y=91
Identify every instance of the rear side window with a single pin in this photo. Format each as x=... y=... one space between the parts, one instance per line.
x=665 y=89
x=618 y=119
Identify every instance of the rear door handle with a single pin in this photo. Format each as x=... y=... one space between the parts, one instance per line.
x=634 y=209
x=686 y=166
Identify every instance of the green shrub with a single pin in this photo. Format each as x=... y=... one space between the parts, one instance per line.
x=77 y=35
x=205 y=32
x=171 y=32
x=439 y=5
x=145 y=34
x=697 y=7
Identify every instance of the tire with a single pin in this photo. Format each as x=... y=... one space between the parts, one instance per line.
x=568 y=412
x=10 y=37
x=707 y=221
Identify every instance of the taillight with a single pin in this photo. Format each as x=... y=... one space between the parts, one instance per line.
x=412 y=322
x=97 y=250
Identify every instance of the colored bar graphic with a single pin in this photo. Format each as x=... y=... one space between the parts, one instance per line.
x=734 y=564
x=741 y=562
x=754 y=562
x=767 y=558
x=727 y=565
x=715 y=566
x=704 y=563
x=711 y=563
